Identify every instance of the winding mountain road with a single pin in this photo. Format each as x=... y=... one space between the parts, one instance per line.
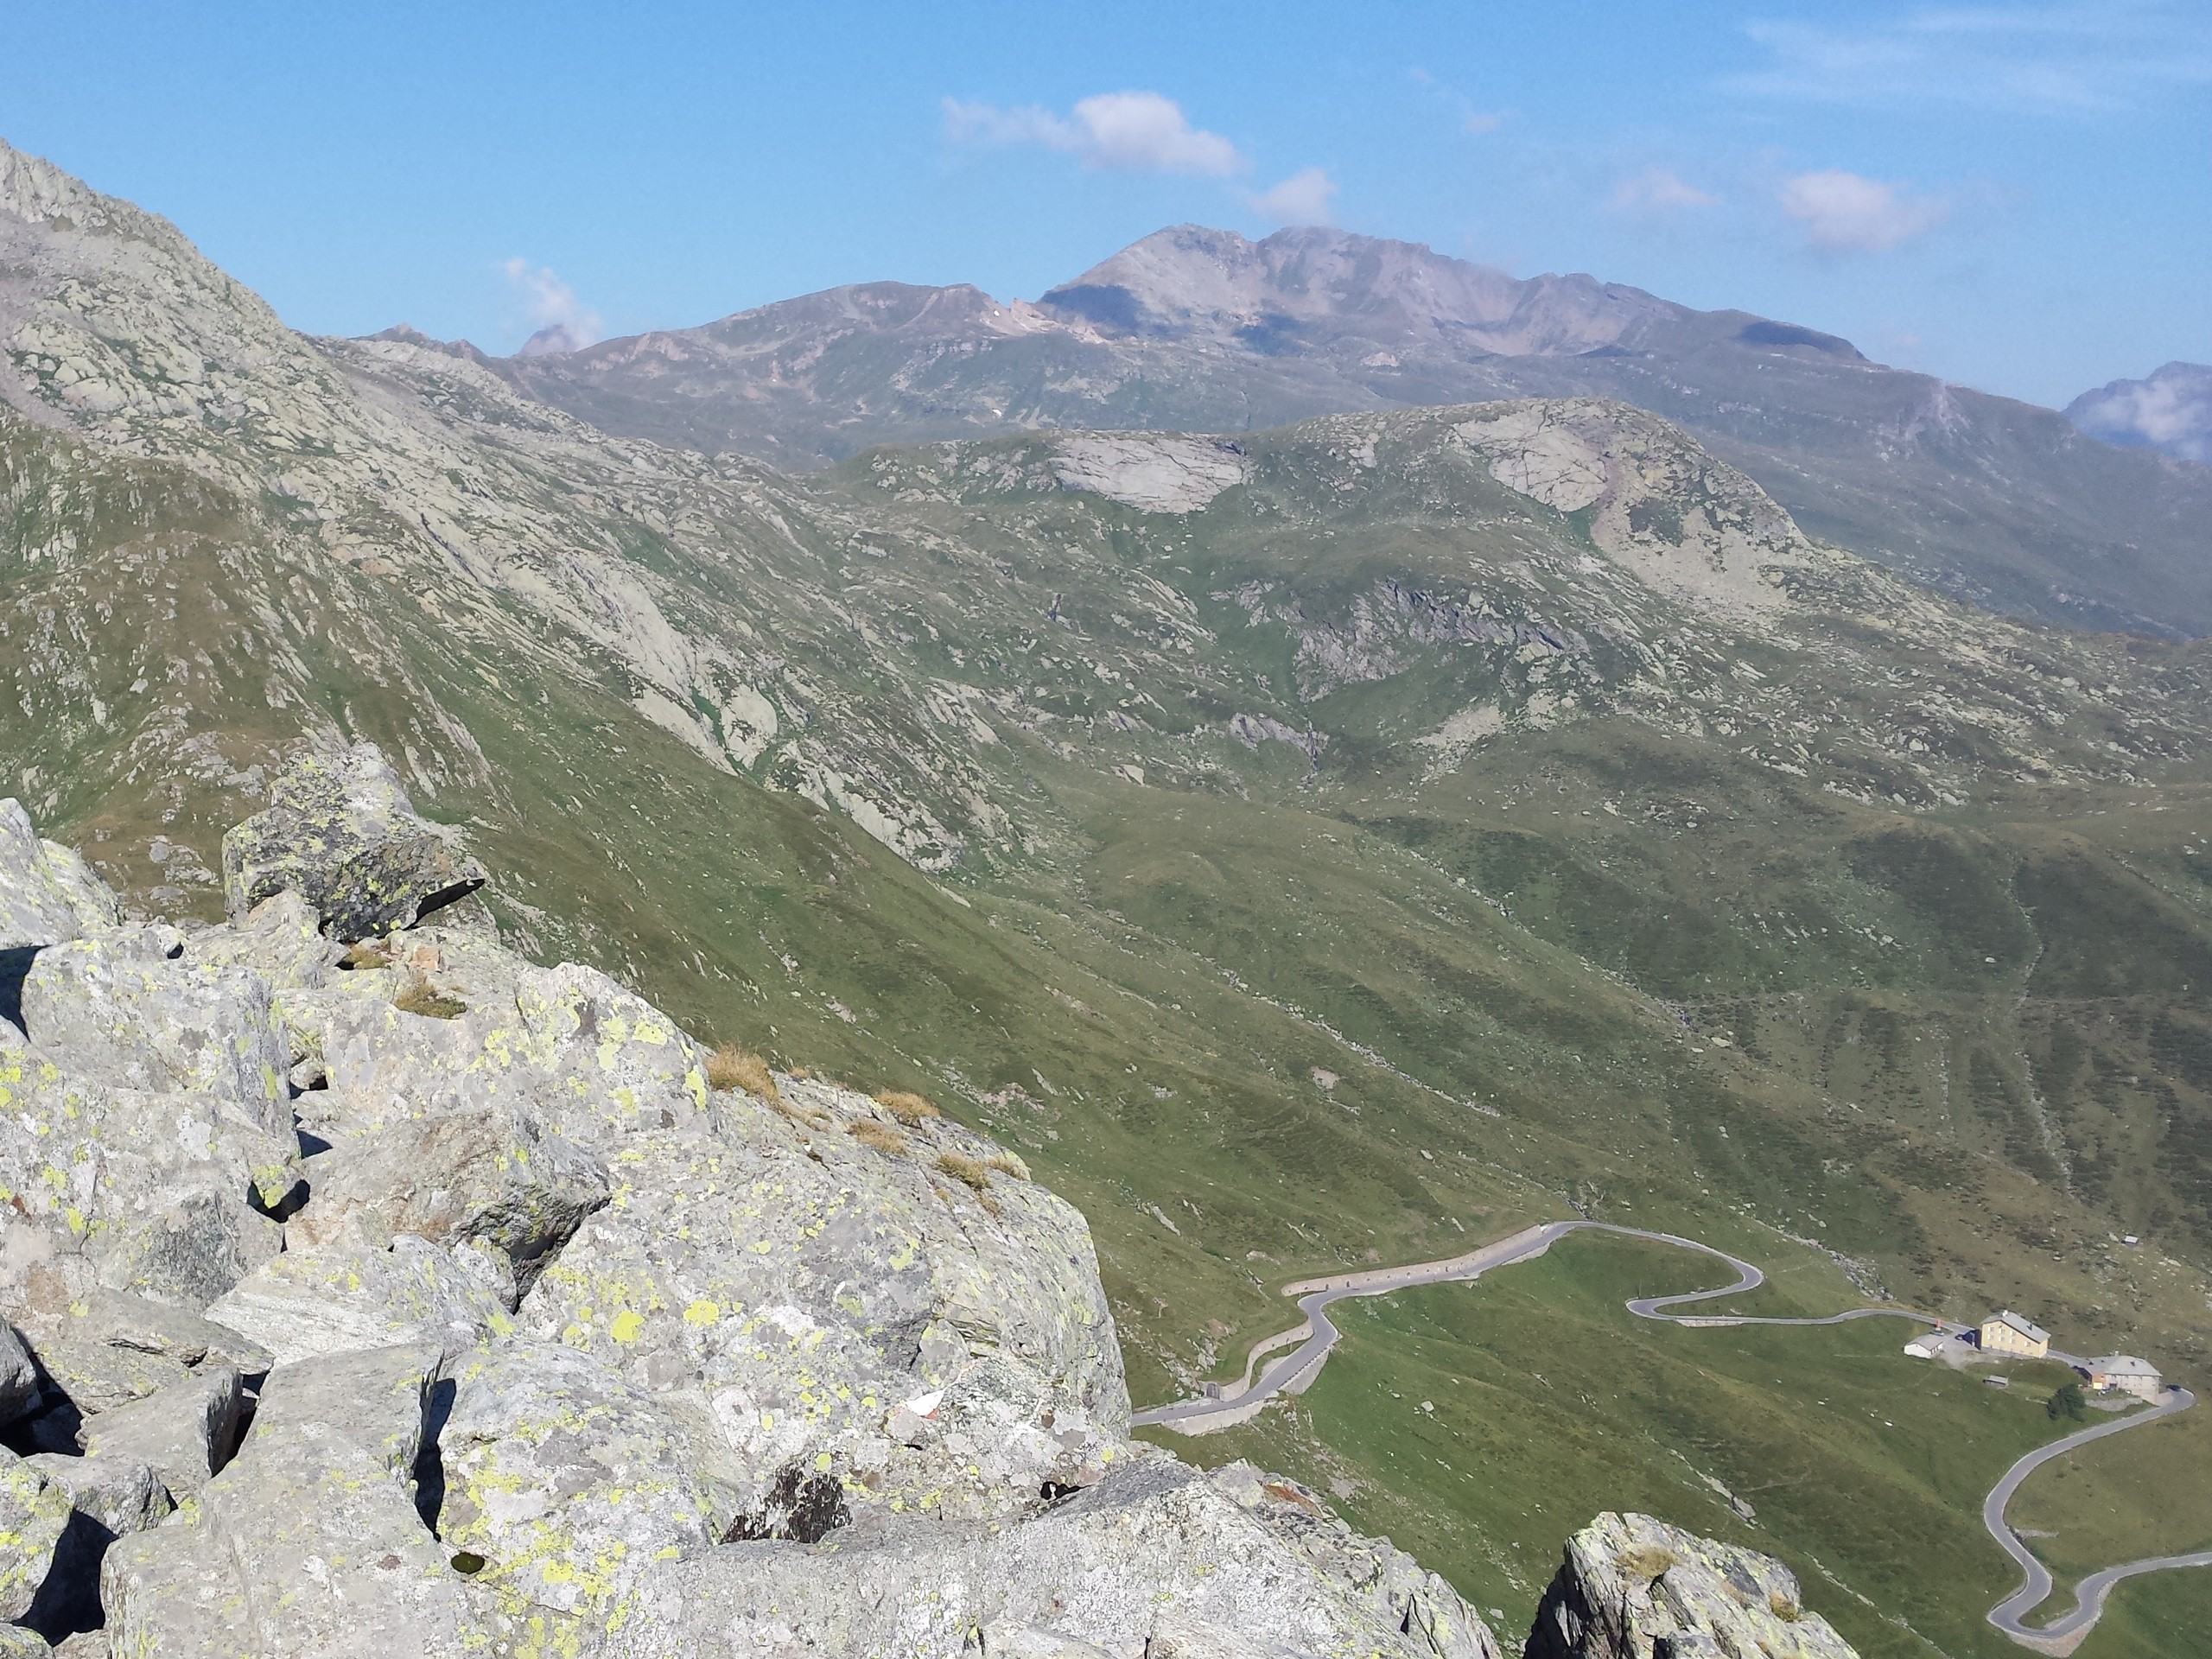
x=2063 y=1635
x=1315 y=1335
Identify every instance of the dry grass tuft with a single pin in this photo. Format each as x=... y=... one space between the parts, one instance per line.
x=1782 y=1608
x=807 y=1117
x=1008 y=1163
x=962 y=1167
x=905 y=1105
x=877 y=1135
x=1647 y=1563
x=731 y=1067
x=419 y=996
x=366 y=953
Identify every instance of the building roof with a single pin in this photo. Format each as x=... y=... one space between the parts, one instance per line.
x=2026 y=1327
x=2122 y=1365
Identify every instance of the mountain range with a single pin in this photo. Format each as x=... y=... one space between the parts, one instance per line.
x=1310 y=845
x=1201 y=330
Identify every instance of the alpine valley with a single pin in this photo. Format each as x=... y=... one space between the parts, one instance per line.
x=1327 y=754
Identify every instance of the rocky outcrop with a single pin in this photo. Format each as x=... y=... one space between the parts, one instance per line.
x=1631 y=1587
x=451 y=1312
x=342 y=833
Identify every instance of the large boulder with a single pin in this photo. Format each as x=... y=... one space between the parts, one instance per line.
x=569 y=1484
x=48 y=893
x=356 y=1294
x=163 y=1193
x=130 y=1010
x=491 y=1175
x=1156 y=1558
x=846 y=1314
x=311 y=1541
x=34 y=1513
x=1632 y=1587
x=340 y=831
x=183 y=1433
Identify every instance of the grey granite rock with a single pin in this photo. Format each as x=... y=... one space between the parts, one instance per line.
x=310 y=1542
x=355 y=1295
x=1156 y=1558
x=34 y=1513
x=48 y=893
x=569 y=1483
x=122 y=1011
x=1632 y=1587
x=184 y=1434
x=491 y=1175
x=19 y=1389
x=110 y=1497
x=150 y=1192
x=340 y=831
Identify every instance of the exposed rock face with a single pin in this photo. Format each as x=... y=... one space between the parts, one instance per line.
x=342 y=834
x=564 y=1352
x=1632 y=1587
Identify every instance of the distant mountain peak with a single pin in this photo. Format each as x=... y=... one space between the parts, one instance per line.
x=1191 y=279
x=2169 y=410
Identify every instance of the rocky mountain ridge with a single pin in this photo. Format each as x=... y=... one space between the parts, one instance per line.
x=1200 y=330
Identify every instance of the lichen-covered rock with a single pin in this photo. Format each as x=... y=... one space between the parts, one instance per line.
x=183 y=1433
x=491 y=1175
x=592 y=1060
x=806 y=1298
x=1631 y=1587
x=340 y=832
x=151 y=1192
x=132 y=1324
x=34 y=1513
x=310 y=1542
x=130 y=1010
x=1157 y=1557
x=355 y=1295
x=110 y=1497
x=570 y=1483
x=48 y=893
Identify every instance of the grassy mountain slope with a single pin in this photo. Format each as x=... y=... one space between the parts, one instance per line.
x=1328 y=848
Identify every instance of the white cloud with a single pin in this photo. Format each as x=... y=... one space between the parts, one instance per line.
x=562 y=322
x=1141 y=132
x=2076 y=56
x=1480 y=122
x=1305 y=198
x=1658 y=189
x=1843 y=212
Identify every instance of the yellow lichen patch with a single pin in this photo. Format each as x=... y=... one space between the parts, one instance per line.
x=701 y=1313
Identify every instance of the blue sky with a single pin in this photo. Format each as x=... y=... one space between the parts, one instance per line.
x=2017 y=197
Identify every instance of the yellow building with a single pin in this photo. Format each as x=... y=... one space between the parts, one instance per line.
x=2008 y=1333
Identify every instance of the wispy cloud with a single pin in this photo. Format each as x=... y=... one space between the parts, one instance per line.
x=1142 y=132
x=2087 y=56
x=1658 y=189
x=1472 y=120
x=1304 y=198
x=562 y=322
x=1843 y=212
